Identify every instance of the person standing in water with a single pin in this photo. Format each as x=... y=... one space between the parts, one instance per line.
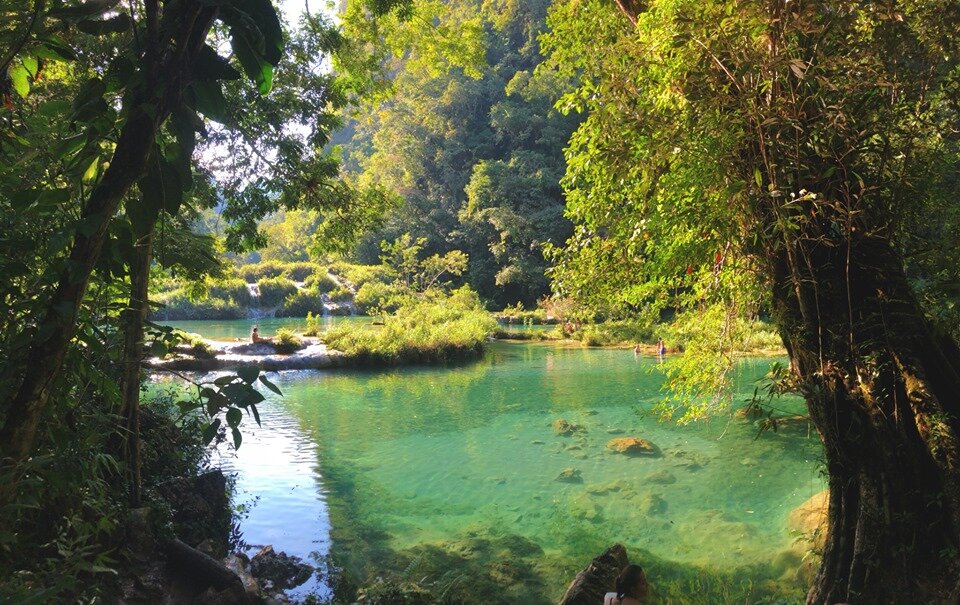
x=631 y=586
x=661 y=348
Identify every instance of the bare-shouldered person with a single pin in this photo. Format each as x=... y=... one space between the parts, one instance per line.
x=632 y=588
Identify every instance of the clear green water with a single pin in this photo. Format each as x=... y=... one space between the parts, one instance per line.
x=448 y=474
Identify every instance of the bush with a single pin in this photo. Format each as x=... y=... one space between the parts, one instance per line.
x=178 y=306
x=433 y=328
x=194 y=344
x=286 y=341
x=255 y=272
x=321 y=281
x=299 y=271
x=275 y=290
x=233 y=289
x=340 y=294
x=358 y=275
x=301 y=303
x=378 y=297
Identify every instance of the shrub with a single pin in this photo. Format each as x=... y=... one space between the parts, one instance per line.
x=378 y=297
x=178 y=306
x=340 y=294
x=299 y=271
x=362 y=274
x=429 y=329
x=233 y=289
x=194 y=344
x=274 y=290
x=255 y=272
x=301 y=303
x=286 y=341
x=321 y=281
x=314 y=325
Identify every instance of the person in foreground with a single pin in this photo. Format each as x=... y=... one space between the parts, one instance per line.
x=255 y=336
x=632 y=587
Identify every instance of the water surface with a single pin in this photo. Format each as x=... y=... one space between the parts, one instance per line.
x=447 y=475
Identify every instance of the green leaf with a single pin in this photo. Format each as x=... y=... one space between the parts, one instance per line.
x=158 y=348
x=224 y=380
x=209 y=100
x=256 y=68
x=270 y=385
x=54 y=48
x=256 y=414
x=188 y=405
x=33 y=66
x=20 y=79
x=211 y=66
x=234 y=416
x=237 y=439
x=268 y=22
x=248 y=373
x=210 y=431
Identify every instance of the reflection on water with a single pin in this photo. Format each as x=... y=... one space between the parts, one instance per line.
x=443 y=468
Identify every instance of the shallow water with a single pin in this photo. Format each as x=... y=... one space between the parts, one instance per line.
x=448 y=474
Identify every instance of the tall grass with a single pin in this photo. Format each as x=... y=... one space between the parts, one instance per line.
x=432 y=328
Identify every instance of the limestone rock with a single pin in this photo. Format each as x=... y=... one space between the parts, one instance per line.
x=598 y=578
x=563 y=427
x=633 y=446
x=569 y=475
x=810 y=518
x=280 y=569
x=652 y=504
x=661 y=477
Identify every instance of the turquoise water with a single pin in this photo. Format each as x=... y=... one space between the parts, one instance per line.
x=447 y=475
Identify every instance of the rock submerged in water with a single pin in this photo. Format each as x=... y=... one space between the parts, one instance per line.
x=565 y=428
x=569 y=475
x=281 y=570
x=597 y=579
x=810 y=518
x=661 y=477
x=632 y=446
x=652 y=504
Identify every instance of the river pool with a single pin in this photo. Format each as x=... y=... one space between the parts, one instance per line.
x=448 y=476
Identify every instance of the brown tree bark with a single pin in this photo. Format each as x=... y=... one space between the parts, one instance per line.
x=136 y=140
x=882 y=389
x=134 y=317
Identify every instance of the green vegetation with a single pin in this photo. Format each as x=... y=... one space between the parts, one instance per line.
x=286 y=341
x=433 y=328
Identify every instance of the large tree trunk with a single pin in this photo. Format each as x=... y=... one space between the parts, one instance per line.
x=136 y=140
x=882 y=389
x=46 y=357
x=134 y=318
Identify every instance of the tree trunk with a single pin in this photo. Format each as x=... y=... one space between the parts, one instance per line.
x=135 y=315
x=127 y=164
x=46 y=357
x=882 y=390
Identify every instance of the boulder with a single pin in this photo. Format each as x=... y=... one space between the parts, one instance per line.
x=652 y=504
x=569 y=475
x=632 y=446
x=597 y=579
x=565 y=428
x=810 y=518
x=201 y=509
x=661 y=477
x=281 y=570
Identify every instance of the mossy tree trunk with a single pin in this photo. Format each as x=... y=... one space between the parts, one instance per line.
x=884 y=393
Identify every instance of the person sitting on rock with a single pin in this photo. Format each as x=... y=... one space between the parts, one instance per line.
x=632 y=587
x=256 y=338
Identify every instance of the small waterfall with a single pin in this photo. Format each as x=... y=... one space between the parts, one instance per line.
x=254 y=311
x=324 y=306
